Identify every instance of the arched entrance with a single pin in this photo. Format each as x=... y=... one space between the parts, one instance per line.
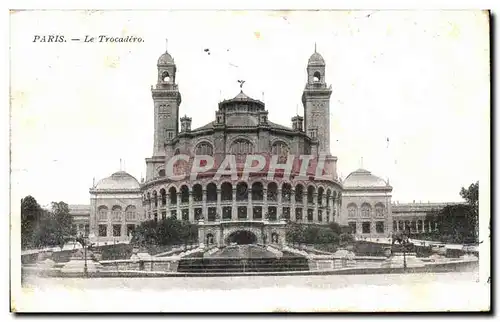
x=242 y=237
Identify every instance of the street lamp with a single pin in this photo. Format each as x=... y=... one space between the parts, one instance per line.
x=83 y=242
x=403 y=239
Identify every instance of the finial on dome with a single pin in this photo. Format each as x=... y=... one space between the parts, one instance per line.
x=166 y=44
x=315 y=47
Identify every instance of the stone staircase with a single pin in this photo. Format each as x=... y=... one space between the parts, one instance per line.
x=228 y=265
x=278 y=261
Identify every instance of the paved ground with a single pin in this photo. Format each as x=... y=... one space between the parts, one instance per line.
x=419 y=242
x=245 y=251
x=367 y=293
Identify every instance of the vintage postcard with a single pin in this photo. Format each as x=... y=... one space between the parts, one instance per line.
x=250 y=160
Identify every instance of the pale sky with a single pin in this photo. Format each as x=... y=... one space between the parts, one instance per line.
x=420 y=79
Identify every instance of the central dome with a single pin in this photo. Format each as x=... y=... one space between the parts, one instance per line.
x=241 y=99
x=120 y=180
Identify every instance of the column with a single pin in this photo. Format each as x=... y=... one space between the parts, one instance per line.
x=234 y=213
x=316 y=205
x=178 y=206
x=204 y=211
x=109 y=234
x=397 y=225
x=279 y=210
x=305 y=207
x=167 y=203
x=191 y=210
x=124 y=224
x=219 y=207
x=429 y=227
x=250 y=205
x=264 y=209
x=292 y=205
x=325 y=207
x=335 y=212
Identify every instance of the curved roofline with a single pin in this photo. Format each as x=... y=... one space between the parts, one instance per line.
x=116 y=178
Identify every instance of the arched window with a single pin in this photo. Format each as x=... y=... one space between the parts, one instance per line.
x=130 y=213
x=163 y=195
x=286 y=192
x=177 y=151
x=197 y=193
x=116 y=213
x=204 y=148
x=241 y=146
x=161 y=173
x=165 y=76
x=379 y=210
x=173 y=196
x=184 y=194
x=280 y=148
x=366 y=210
x=316 y=77
x=226 y=191
x=351 y=210
x=272 y=191
x=155 y=198
x=299 y=193
x=211 y=192
x=320 y=196
x=257 y=191
x=310 y=194
x=102 y=213
x=241 y=191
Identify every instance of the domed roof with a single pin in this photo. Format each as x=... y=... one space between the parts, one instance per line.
x=165 y=59
x=241 y=96
x=362 y=178
x=316 y=59
x=120 y=180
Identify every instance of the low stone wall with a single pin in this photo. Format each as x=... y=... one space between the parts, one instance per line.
x=455 y=266
x=176 y=250
x=275 y=251
x=154 y=264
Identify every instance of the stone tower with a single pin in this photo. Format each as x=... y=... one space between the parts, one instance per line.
x=167 y=99
x=316 y=101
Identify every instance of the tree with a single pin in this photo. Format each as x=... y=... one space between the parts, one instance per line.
x=460 y=223
x=336 y=228
x=30 y=216
x=295 y=233
x=326 y=236
x=63 y=221
x=168 y=231
x=471 y=196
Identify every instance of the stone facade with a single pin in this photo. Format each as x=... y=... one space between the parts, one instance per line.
x=257 y=204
